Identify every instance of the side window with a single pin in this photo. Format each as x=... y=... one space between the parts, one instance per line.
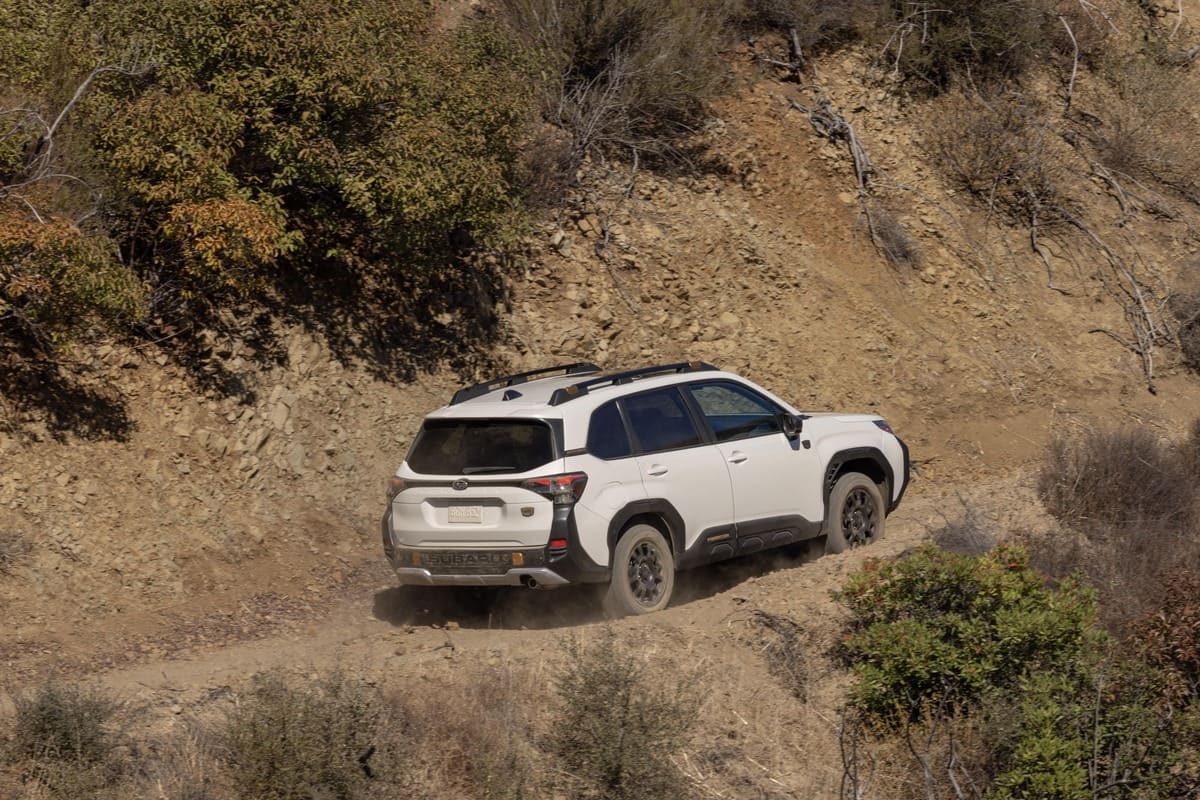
x=606 y=433
x=660 y=420
x=735 y=412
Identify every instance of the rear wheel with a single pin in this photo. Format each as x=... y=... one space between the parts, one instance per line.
x=856 y=513
x=643 y=573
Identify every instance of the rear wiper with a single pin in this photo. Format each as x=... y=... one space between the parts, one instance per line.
x=483 y=470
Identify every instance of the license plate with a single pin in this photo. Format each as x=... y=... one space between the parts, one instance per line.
x=469 y=514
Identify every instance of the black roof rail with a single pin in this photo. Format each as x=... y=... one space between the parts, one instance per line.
x=576 y=390
x=479 y=389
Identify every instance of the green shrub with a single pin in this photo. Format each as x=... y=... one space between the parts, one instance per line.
x=237 y=146
x=939 y=628
x=619 y=720
x=285 y=742
x=991 y=679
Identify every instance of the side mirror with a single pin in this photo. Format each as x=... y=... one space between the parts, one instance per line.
x=791 y=426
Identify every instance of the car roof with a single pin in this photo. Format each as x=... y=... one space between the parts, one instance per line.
x=537 y=397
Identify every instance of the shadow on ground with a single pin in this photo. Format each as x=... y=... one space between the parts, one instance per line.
x=515 y=608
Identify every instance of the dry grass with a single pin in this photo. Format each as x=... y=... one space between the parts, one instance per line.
x=14 y=547
x=1186 y=308
x=618 y=722
x=478 y=737
x=969 y=535
x=286 y=741
x=1118 y=477
x=1129 y=506
x=63 y=743
x=625 y=75
x=1001 y=150
x=1150 y=130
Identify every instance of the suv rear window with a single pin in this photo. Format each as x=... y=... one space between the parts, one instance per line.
x=660 y=421
x=481 y=446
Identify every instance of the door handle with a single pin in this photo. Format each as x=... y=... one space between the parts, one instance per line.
x=737 y=457
x=656 y=470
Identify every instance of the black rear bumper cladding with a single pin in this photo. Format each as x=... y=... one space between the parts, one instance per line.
x=574 y=565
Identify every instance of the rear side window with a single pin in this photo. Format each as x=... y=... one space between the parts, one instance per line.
x=660 y=421
x=607 y=437
x=481 y=446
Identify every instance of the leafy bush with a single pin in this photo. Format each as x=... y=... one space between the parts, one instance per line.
x=989 y=678
x=56 y=280
x=938 y=628
x=224 y=149
x=285 y=742
x=619 y=720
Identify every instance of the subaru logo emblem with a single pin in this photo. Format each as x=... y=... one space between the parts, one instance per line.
x=459 y=485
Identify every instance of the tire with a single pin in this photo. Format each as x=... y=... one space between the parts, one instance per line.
x=856 y=513
x=643 y=573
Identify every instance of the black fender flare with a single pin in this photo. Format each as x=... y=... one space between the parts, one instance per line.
x=656 y=506
x=833 y=471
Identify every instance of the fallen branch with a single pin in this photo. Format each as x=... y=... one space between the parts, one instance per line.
x=1074 y=63
x=1037 y=248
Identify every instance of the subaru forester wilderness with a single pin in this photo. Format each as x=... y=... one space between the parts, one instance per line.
x=576 y=475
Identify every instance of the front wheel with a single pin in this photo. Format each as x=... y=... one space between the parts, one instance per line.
x=643 y=573
x=856 y=513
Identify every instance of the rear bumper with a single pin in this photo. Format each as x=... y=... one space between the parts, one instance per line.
x=519 y=576
x=540 y=566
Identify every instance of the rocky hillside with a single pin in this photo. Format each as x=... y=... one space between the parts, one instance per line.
x=198 y=501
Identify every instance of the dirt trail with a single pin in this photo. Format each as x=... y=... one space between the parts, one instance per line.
x=379 y=629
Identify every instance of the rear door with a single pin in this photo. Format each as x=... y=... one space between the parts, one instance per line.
x=678 y=463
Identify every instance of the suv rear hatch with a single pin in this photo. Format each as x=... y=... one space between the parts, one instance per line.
x=467 y=484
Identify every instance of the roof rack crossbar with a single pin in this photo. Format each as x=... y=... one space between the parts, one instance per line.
x=479 y=389
x=576 y=390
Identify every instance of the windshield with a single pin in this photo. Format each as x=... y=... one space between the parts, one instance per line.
x=481 y=446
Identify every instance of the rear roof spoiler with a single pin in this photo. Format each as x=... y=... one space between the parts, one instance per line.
x=480 y=389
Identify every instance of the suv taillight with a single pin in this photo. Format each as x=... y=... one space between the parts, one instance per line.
x=395 y=486
x=562 y=489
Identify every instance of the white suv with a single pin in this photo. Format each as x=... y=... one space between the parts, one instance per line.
x=575 y=475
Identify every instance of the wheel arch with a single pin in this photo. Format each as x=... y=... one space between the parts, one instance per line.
x=869 y=461
x=655 y=512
